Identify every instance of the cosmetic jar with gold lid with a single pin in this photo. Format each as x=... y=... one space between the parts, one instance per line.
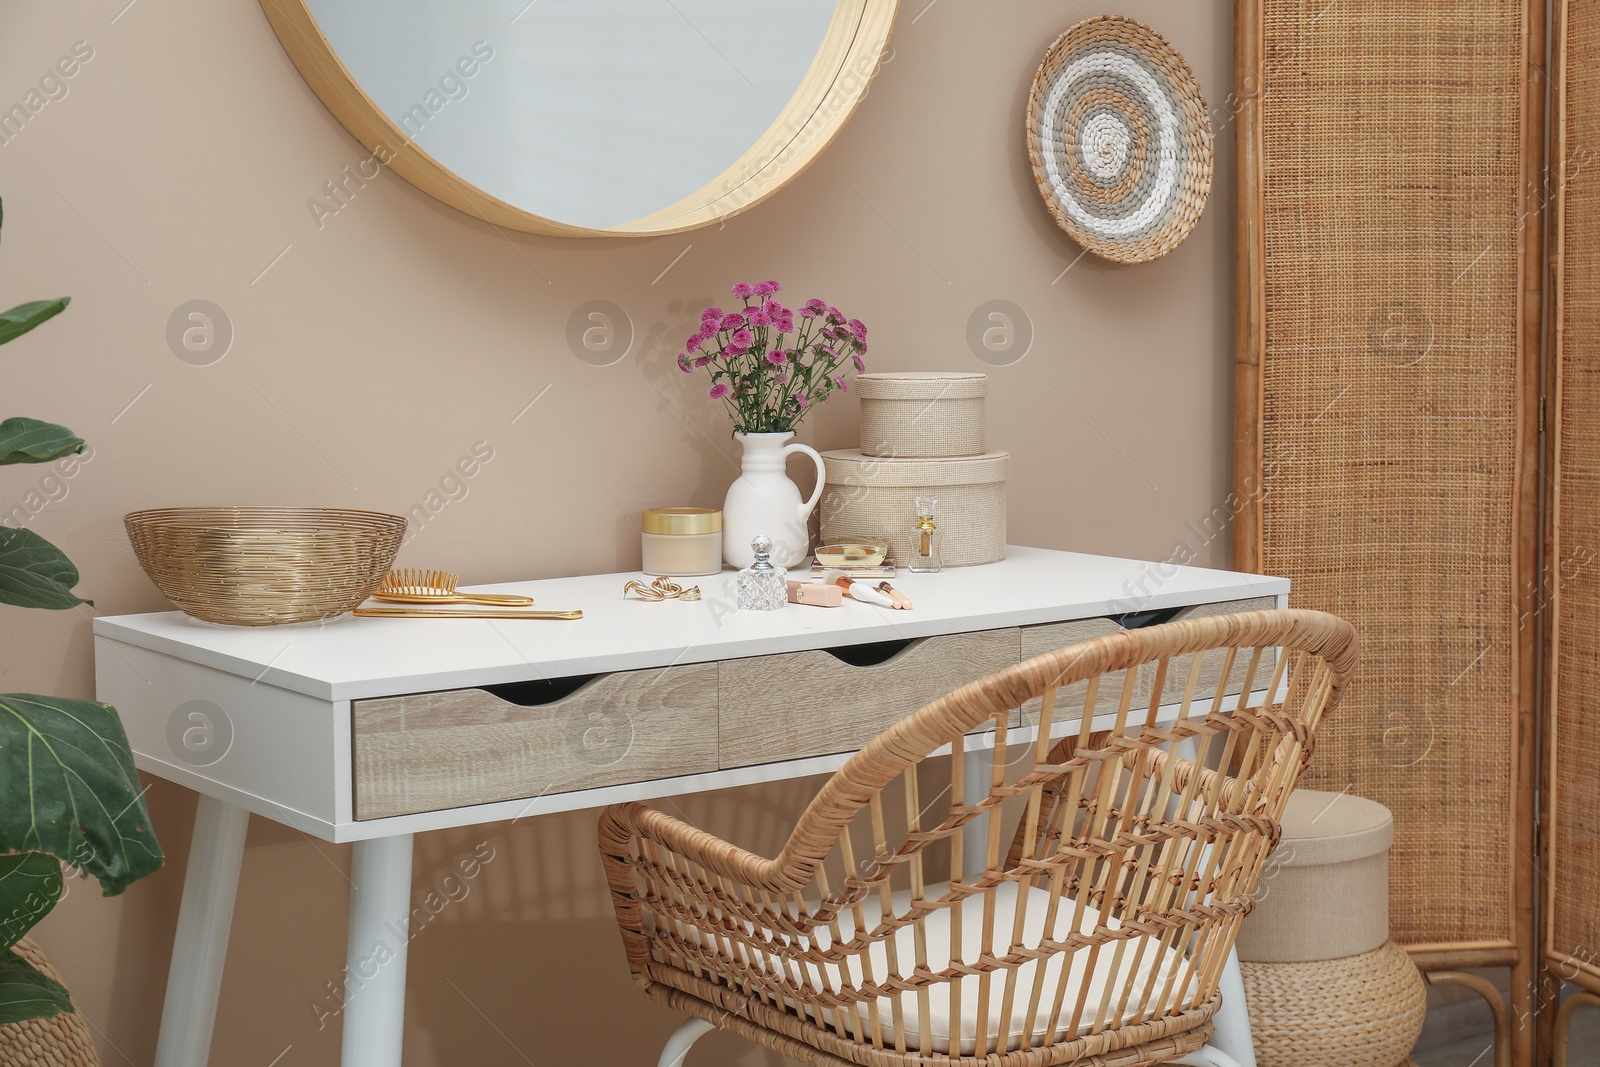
x=682 y=542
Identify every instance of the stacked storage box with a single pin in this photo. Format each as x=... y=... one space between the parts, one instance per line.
x=922 y=434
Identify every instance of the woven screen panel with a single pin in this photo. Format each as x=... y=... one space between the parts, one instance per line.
x=1575 y=817
x=1391 y=144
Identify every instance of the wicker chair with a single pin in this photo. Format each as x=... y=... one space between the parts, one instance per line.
x=1095 y=937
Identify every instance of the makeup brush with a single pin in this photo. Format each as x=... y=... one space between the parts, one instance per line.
x=857 y=590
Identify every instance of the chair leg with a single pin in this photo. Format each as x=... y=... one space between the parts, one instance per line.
x=1207 y=1057
x=679 y=1043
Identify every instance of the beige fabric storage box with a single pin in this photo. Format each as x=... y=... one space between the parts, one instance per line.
x=875 y=496
x=915 y=414
x=1325 y=892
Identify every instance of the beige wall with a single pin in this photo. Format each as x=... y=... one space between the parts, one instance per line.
x=380 y=348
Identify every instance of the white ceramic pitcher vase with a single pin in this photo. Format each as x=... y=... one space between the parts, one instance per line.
x=763 y=501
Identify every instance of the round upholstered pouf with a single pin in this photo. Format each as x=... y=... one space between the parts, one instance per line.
x=1360 y=1011
x=1120 y=139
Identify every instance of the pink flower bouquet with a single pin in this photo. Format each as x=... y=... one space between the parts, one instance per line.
x=770 y=365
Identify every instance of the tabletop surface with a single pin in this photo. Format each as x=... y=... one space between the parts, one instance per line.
x=353 y=658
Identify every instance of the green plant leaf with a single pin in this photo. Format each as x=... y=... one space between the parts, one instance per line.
x=30 y=885
x=24 y=440
x=68 y=787
x=34 y=573
x=27 y=994
x=24 y=317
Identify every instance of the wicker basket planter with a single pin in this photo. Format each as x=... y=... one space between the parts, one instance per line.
x=1361 y=1011
x=875 y=496
x=926 y=413
x=59 y=1041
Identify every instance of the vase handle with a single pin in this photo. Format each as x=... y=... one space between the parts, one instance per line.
x=822 y=476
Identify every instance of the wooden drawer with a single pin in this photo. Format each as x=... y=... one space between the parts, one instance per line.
x=469 y=746
x=1037 y=640
x=813 y=703
x=1211 y=662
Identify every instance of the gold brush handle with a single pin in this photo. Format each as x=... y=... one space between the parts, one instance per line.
x=452 y=598
x=461 y=613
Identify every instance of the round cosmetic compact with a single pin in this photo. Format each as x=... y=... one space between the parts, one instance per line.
x=682 y=542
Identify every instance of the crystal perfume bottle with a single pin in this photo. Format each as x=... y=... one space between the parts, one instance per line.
x=763 y=587
x=926 y=538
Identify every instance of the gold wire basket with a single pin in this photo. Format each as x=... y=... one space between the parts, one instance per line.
x=265 y=566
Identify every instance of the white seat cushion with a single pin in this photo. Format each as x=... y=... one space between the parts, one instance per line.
x=1170 y=964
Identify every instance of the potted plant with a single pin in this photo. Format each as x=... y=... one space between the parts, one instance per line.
x=69 y=793
x=770 y=366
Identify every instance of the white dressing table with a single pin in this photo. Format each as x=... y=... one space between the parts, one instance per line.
x=372 y=730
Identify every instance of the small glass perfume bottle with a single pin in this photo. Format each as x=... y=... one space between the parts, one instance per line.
x=763 y=587
x=926 y=539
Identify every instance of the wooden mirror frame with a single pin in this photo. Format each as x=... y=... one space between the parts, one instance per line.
x=834 y=85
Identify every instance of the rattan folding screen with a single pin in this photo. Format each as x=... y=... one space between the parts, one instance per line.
x=1389 y=355
x=1570 y=925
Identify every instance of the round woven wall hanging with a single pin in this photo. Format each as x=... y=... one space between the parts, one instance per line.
x=1120 y=140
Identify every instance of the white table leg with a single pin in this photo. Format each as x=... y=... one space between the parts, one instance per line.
x=1232 y=1019
x=198 y=951
x=375 y=957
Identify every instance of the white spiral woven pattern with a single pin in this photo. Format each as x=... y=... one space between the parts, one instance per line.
x=1120 y=140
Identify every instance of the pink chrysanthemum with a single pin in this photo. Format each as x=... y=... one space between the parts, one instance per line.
x=743 y=289
x=731 y=321
x=843 y=388
x=702 y=361
x=861 y=365
x=801 y=399
x=711 y=315
x=766 y=288
x=684 y=365
x=743 y=338
x=777 y=357
x=859 y=330
x=719 y=390
x=758 y=317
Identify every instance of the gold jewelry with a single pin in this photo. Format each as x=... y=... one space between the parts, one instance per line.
x=662 y=588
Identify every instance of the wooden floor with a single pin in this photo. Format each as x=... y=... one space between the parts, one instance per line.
x=1461 y=1033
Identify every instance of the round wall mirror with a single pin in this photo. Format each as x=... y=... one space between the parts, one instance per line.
x=589 y=117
